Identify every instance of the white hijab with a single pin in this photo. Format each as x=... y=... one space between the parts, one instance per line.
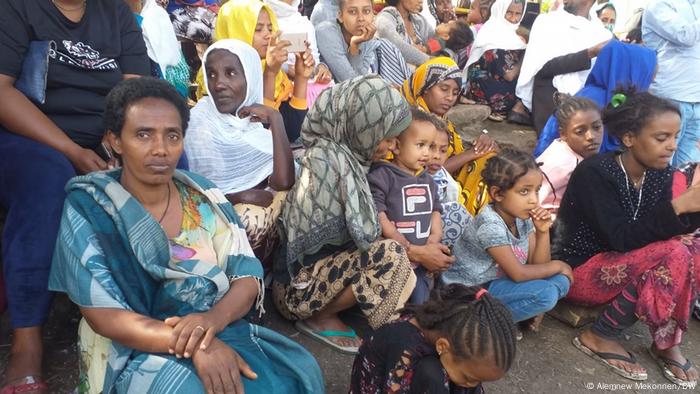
x=428 y=15
x=290 y=20
x=233 y=152
x=158 y=33
x=496 y=33
x=557 y=34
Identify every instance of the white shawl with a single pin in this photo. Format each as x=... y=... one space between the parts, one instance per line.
x=557 y=34
x=234 y=153
x=290 y=20
x=158 y=33
x=496 y=33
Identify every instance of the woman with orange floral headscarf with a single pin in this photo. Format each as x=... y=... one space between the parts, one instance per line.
x=435 y=87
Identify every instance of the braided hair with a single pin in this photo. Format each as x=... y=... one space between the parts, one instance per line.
x=633 y=110
x=475 y=328
x=567 y=106
x=504 y=169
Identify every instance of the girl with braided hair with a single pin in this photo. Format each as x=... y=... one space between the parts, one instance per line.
x=625 y=233
x=505 y=249
x=460 y=337
x=580 y=136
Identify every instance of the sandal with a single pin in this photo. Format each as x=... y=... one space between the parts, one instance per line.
x=323 y=337
x=664 y=363
x=604 y=358
x=30 y=383
x=496 y=117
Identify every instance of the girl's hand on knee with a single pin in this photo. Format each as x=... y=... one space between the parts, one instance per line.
x=565 y=269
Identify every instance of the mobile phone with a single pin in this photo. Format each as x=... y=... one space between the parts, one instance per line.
x=298 y=41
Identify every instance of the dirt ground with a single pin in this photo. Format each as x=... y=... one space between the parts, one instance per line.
x=546 y=361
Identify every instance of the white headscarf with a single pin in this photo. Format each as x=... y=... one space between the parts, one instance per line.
x=557 y=34
x=496 y=33
x=428 y=13
x=158 y=33
x=233 y=152
x=290 y=20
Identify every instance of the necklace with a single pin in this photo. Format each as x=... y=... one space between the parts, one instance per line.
x=63 y=8
x=167 y=206
x=641 y=186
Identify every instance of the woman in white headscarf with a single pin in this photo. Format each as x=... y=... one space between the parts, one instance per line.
x=228 y=143
x=494 y=63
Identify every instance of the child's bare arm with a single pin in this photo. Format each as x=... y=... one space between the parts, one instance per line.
x=517 y=272
x=435 y=228
x=389 y=231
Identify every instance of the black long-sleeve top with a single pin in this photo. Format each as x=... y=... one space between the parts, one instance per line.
x=596 y=214
x=543 y=90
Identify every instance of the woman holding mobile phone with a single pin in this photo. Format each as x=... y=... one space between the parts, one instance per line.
x=289 y=19
x=255 y=23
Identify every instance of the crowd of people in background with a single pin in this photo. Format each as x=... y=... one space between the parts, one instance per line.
x=165 y=162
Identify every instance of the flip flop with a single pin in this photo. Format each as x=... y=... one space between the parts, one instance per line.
x=323 y=337
x=604 y=358
x=664 y=363
x=31 y=383
x=497 y=117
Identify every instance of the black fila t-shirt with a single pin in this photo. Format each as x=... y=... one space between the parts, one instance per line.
x=90 y=57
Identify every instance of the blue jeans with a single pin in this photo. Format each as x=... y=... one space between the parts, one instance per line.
x=688 y=151
x=32 y=178
x=530 y=298
x=424 y=284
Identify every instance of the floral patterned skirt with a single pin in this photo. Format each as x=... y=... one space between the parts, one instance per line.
x=665 y=274
x=381 y=280
x=486 y=82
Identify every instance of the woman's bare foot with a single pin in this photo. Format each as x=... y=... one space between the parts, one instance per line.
x=25 y=356
x=331 y=322
x=602 y=345
x=675 y=354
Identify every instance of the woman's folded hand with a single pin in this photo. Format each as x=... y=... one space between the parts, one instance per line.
x=193 y=332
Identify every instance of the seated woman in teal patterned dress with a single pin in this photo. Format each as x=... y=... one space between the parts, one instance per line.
x=159 y=264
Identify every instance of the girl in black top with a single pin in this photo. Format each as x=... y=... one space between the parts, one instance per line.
x=622 y=231
x=96 y=44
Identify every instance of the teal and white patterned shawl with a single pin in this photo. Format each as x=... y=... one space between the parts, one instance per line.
x=111 y=253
